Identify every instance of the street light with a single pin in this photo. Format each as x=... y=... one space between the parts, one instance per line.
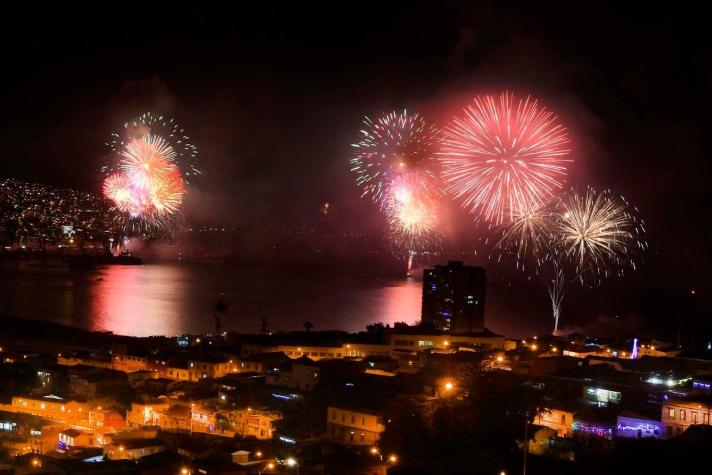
x=392 y=458
x=374 y=451
x=184 y=471
x=269 y=467
x=292 y=463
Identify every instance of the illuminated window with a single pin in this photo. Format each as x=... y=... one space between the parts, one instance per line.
x=705 y=419
x=671 y=413
x=694 y=417
x=682 y=414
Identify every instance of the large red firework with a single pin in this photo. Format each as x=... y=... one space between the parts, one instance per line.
x=503 y=156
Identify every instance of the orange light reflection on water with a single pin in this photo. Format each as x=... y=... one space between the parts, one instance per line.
x=139 y=300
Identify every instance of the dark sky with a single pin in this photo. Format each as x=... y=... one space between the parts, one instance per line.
x=273 y=98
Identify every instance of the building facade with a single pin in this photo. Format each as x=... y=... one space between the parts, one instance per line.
x=677 y=415
x=355 y=427
x=454 y=298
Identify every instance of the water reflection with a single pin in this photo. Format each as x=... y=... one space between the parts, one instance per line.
x=171 y=299
x=133 y=300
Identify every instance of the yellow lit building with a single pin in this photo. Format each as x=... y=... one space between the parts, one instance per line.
x=677 y=415
x=51 y=407
x=560 y=420
x=133 y=449
x=416 y=342
x=72 y=360
x=142 y=413
x=249 y=422
x=129 y=363
x=353 y=427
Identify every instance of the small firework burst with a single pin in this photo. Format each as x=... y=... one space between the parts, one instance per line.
x=395 y=144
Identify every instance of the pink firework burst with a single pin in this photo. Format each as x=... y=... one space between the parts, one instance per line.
x=505 y=154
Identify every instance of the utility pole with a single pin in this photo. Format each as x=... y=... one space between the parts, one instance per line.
x=526 y=442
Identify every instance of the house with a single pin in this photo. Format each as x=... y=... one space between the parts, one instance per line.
x=70 y=438
x=678 y=415
x=203 y=419
x=139 y=378
x=631 y=425
x=107 y=418
x=89 y=382
x=263 y=362
x=141 y=413
x=415 y=339
x=51 y=407
x=249 y=422
x=175 y=417
x=303 y=375
x=211 y=366
x=354 y=426
x=97 y=361
x=23 y=433
x=133 y=449
x=129 y=363
x=559 y=417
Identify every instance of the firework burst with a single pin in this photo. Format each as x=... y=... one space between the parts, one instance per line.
x=395 y=144
x=504 y=156
x=599 y=233
x=147 y=174
x=184 y=152
x=527 y=233
x=148 y=160
x=413 y=213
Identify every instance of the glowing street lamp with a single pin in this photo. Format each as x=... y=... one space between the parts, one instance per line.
x=269 y=467
x=392 y=458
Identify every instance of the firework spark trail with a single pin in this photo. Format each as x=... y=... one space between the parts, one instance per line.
x=396 y=143
x=504 y=155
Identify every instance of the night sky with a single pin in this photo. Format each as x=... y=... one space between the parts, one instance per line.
x=273 y=98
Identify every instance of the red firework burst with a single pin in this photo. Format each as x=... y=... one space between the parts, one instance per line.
x=503 y=156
